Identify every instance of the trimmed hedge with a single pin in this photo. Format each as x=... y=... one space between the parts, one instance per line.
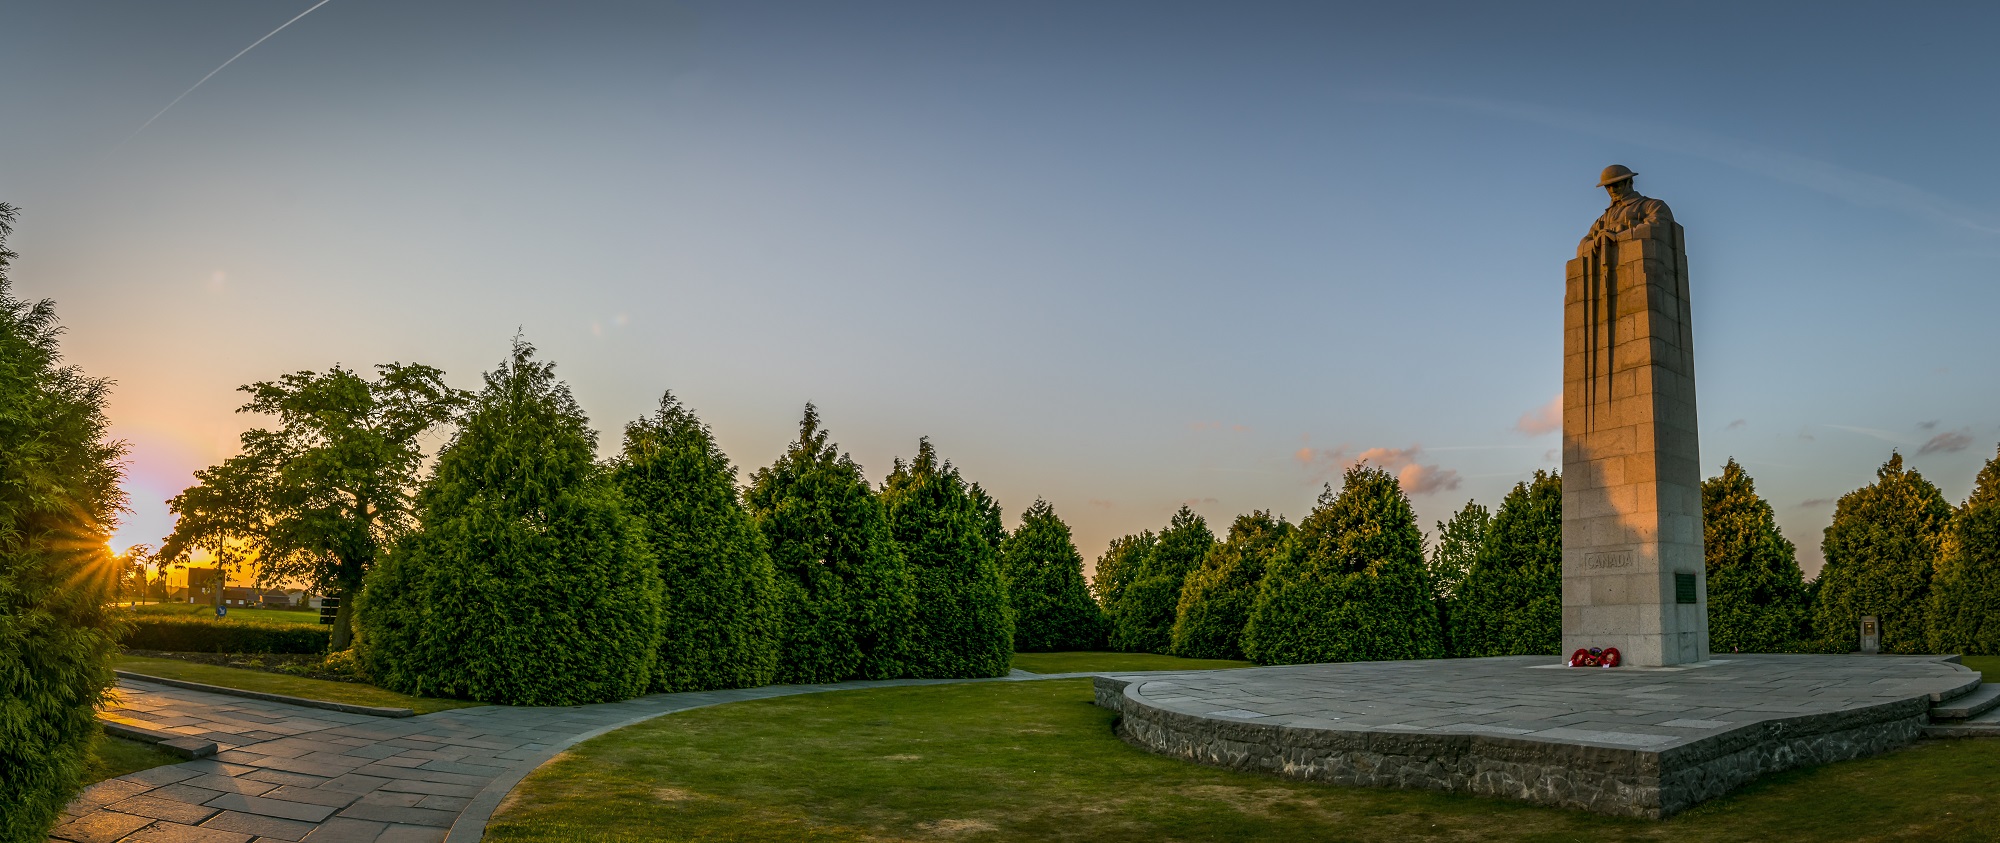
x=199 y=635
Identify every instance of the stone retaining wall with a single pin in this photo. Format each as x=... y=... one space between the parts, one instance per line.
x=1607 y=780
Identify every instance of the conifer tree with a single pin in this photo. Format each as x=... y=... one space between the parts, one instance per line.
x=1118 y=567
x=1458 y=545
x=1215 y=602
x=1510 y=602
x=846 y=591
x=991 y=518
x=719 y=603
x=526 y=582
x=961 y=627
x=59 y=501
x=1053 y=610
x=1349 y=583
x=1965 y=596
x=1143 y=619
x=1756 y=592
x=1881 y=550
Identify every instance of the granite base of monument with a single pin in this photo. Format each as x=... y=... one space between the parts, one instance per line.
x=1623 y=741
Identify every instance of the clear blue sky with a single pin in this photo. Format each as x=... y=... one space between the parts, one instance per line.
x=1121 y=256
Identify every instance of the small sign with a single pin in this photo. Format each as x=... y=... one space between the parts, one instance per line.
x=1684 y=590
x=1871 y=635
x=221 y=611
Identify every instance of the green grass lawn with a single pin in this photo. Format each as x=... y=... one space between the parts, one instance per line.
x=235 y=613
x=1988 y=666
x=353 y=693
x=113 y=757
x=1037 y=761
x=1082 y=662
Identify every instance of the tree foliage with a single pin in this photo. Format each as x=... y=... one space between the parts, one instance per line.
x=1510 y=602
x=1965 y=596
x=1215 y=602
x=1349 y=583
x=525 y=582
x=322 y=495
x=719 y=601
x=1053 y=610
x=961 y=625
x=59 y=500
x=1118 y=567
x=1451 y=559
x=1756 y=592
x=1142 y=621
x=1880 y=552
x=845 y=590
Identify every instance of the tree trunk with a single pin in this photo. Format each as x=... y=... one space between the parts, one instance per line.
x=343 y=617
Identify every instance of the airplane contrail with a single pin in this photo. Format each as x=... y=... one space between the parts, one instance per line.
x=218 y=69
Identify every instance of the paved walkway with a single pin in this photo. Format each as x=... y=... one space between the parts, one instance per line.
x=302 y=774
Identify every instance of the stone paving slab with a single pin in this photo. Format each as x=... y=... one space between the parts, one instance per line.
x=1644 y=742
x=292 y=773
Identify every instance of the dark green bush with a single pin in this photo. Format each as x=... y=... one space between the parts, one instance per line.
x=1142 y=621
x=1965 y=595
x=1052 y=607
x=59 y=500
x=1215 y=603
x=526 y=582
x=719 y=611
x=1756 y=592
x=1510 y=602
x=1881 y=550
x=961 y=626
x=845 y=591
x=198 y=635
x=1349 y=583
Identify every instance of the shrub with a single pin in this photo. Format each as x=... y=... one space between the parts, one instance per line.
x=1965 y=596
x=1880 y=551
x=1215 y=603
x=1142 y=621
x=1348 y=584
x=198 y=635
x=59 y=498
x=1052 y=607
x=843 y=585
x=961 y=626
x=526 y=582
x=719 y=611
x=1510 y=603
x=1756 y=592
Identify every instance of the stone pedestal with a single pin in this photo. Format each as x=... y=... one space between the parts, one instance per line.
x=1633 y=571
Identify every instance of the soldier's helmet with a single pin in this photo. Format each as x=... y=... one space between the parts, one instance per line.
x=1614 y=174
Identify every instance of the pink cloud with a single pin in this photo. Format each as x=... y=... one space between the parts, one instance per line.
x=1547 y=418
x=1416 y=477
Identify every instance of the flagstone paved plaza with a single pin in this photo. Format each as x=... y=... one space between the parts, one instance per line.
x=1631 y=741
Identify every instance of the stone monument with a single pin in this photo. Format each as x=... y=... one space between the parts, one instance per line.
x=1634 y=576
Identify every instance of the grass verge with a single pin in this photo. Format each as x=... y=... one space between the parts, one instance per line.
x=1037 y=761
x=113 y=757
x=352 y=693
x=244 y=613
x=1988 y=666
x=1081 y=662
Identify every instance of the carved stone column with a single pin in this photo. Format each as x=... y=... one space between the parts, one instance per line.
x=1633 y=571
